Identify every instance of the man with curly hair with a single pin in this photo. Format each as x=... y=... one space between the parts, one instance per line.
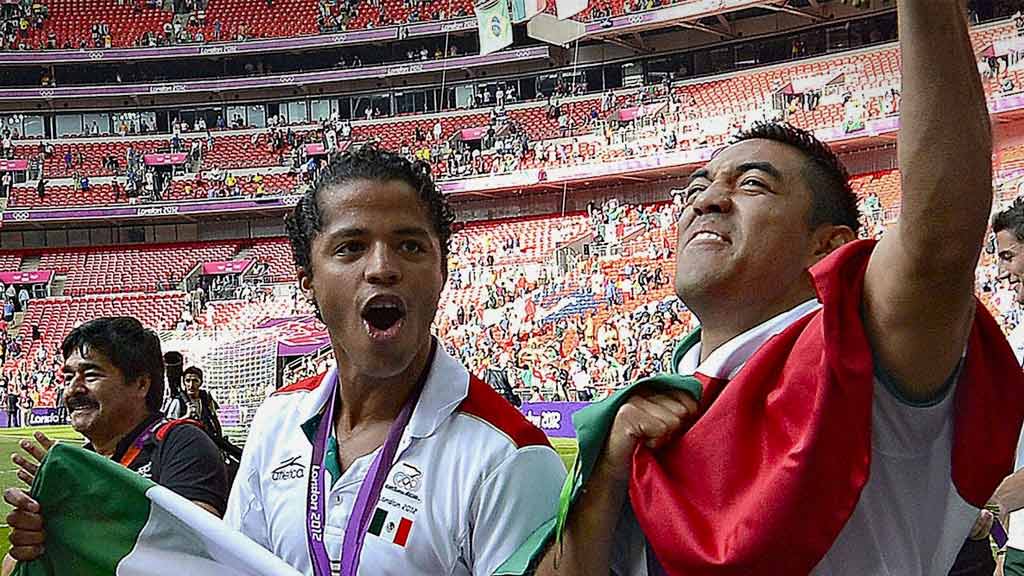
x=396 y=461
x=847 y=407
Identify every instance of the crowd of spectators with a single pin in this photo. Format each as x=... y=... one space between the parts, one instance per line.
x=572 y=329
x=661 y=118
x=570 y=332
x=341 y=15
x=191 y=24
x=29 y=379
x=17 y=19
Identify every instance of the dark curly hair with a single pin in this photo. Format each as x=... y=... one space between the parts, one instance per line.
x=834 y=201
x=1011 y=219
x=367 y=163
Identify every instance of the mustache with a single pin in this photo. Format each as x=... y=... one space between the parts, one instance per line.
x=80 y=401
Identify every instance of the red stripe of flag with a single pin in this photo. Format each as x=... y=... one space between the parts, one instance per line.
x=404 y=526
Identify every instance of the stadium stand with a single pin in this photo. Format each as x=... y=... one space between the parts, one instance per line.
x=263 y=20
x=132 y=22
x=86 y=156
x=53 y=318
x=140 y=269
x=64 y=195
x=10 y=262
x=72 y=22
x=572 y=332
x=700 y=113
x=603 y=303
x=275 y=252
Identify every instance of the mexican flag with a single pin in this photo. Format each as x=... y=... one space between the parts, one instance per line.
x=390 y=526
x=767 y=476
x=103 y=519
x=494 y=25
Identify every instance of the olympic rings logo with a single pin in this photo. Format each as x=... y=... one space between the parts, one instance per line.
x=407 y=482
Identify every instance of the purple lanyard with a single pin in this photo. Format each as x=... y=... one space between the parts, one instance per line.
x=135 y=449
x=369 y=490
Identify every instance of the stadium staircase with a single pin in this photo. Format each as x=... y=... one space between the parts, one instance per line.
x=15 y=326
x=30 y=263
x=57 y=285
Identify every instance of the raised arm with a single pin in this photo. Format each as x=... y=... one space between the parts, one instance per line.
x=918 y=293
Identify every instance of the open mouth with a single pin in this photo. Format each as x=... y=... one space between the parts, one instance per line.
x=81 y=403
x=383 y=317
x=708 y=236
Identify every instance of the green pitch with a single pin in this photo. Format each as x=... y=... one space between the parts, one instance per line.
x=566 y=448
x=9 y=438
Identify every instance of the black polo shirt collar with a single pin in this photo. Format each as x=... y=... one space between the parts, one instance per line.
x=129 y=439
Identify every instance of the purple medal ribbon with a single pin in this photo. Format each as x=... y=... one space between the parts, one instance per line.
x=135 y=449
x=369 y=490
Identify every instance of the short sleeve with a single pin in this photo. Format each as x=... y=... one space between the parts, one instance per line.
x=519 y=496
x=191 y=466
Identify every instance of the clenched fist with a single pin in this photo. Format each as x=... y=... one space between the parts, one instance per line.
x=649 y=417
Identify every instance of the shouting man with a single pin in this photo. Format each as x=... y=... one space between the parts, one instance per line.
x=397 y=461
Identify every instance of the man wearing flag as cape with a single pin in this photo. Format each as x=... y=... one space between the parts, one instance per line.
x=848 y=407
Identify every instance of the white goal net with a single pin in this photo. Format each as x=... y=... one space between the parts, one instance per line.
x=239 y=370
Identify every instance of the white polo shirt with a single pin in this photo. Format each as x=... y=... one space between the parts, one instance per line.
x=472 y=479
x=909 y=519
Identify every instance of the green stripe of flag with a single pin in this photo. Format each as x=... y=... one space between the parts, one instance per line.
x=73 y=476
x=377 y=524
x=105 y=520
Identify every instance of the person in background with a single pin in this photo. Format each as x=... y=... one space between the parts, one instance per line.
x=23 y=298
x=25 y=406
x=114 y=379
x=11 y=404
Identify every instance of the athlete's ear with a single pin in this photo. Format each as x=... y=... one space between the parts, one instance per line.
x=305 y=281
x=827 y=238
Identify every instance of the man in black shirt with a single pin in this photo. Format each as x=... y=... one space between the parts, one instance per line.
x=114 y=384
x=11 y=405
